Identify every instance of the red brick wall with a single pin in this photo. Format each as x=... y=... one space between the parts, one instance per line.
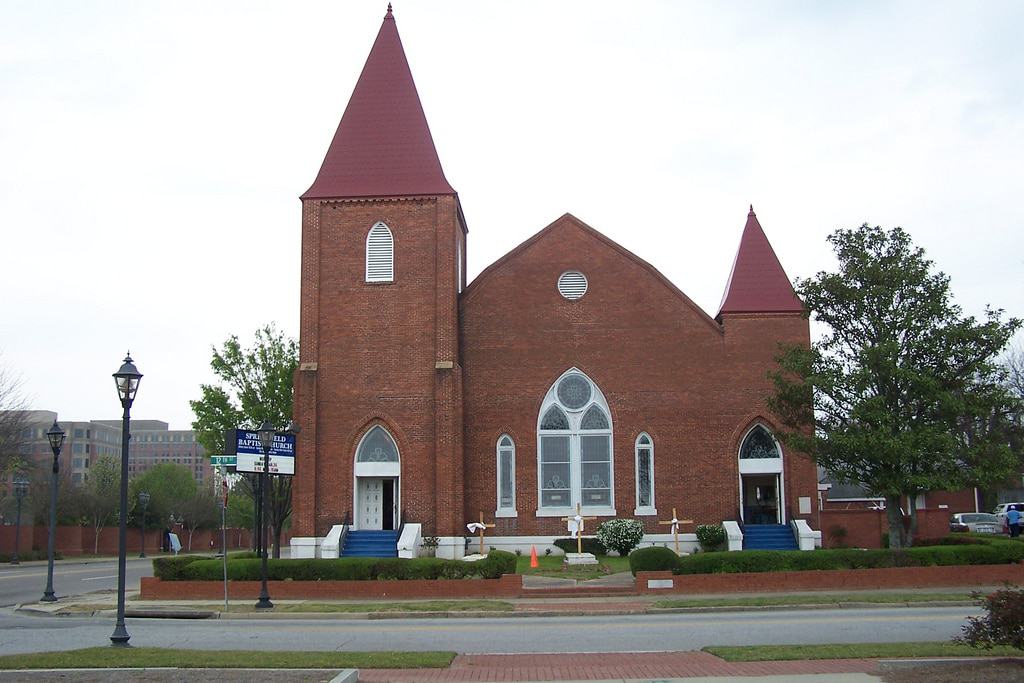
x=665 y=367
x=509 y=585
x=864 y=528
x=370 y=353
x=837 y=579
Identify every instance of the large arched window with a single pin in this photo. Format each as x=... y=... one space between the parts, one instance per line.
x=380 y=254
x=759 y=444
x=506 y=477
x=377 y=446
x=574 y=448
x=644 y=451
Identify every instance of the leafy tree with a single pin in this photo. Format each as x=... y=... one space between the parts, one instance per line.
x=100 y=495
x=13 y=423
x=902 y=393
x=200 y=510
x=254 y=385
x=169 y=486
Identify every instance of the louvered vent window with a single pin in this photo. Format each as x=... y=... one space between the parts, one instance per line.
x=572 y=285
x=380 y=254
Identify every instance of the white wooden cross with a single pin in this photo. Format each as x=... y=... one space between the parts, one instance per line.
x=675 y=522
x=479 y=527
x=576 y=527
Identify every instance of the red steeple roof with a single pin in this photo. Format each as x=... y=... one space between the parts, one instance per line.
x=757 y=283
x=383 y=145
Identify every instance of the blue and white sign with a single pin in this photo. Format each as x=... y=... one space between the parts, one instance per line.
x=249 y=453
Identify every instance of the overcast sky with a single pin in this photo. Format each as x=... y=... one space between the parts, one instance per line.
x=152 y=154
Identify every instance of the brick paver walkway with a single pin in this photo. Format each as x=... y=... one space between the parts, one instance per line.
x=608 y=666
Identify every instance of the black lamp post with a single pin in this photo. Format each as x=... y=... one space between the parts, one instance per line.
x=127 y=380
x=55 y=435
x=20 y=491
x=143 y=501
x=266 y=432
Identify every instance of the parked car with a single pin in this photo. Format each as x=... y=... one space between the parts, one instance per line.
x=978 y=522
x=1000 y=512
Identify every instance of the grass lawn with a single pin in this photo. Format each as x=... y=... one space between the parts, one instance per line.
x=135 y=657
x=770 y=653
x=822 y=599
x=552 y=565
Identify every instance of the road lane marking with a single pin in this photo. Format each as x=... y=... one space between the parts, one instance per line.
x=99 y=578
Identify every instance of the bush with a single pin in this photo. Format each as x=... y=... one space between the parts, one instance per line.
x=196 y=568
x=590 y=545
x=795 y=560
x=30 y=556
x=172 y=567
x=621 y=535
x=1003 y=623
x=711 y=537
x=653 y=559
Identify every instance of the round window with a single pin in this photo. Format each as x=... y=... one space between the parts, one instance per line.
x=574 y=392
x=572 y=285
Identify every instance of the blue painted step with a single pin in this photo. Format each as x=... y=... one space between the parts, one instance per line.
x=768 y=537
x=370 y=544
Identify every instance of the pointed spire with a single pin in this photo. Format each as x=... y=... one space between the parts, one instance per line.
x=383 y=146
x=757 y=283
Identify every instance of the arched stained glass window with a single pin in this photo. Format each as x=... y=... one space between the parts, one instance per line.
x=759 y=444
x=644 y=475
x=574 y=448
x=377 y=446
x=506 y=476
x=554 y=419
x=594 y=418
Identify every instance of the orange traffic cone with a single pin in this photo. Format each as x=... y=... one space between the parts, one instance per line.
x=533 y=557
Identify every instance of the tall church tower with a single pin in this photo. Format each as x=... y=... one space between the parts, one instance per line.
x=378 y=393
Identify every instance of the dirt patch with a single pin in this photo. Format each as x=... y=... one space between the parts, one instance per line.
x=980 y=671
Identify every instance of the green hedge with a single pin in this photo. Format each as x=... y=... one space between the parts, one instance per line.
x=847 y=558
x=197 y=568
x=653 y=559
x=30 y=555
x=590 y=545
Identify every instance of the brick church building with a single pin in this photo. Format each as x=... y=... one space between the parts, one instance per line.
x=570 y=371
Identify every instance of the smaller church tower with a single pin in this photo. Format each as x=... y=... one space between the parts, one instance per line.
x=378 y=392
x=759 y=312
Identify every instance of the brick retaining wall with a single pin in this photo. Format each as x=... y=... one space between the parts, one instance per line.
x=835 y=579
x=508 y=586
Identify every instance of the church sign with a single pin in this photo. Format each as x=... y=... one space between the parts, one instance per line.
x=249 y=453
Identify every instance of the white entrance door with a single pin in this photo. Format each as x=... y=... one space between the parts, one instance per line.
x=376 y=505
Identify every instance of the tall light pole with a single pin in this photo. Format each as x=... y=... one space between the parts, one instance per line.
x=143 y=501
x=55 y=435
x=266 y=432
x=127 y=379
x=20 y=491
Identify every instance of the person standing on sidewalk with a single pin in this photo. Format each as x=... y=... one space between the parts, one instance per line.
x=1013 y=520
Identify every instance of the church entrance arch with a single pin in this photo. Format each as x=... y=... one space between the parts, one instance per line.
x=377 y=488
x=761 y=478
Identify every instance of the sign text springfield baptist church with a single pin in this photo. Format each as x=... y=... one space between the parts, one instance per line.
x=249 y=453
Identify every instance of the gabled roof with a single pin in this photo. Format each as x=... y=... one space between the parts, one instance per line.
x=568 y=220
x=383 y=146
x=757 y=283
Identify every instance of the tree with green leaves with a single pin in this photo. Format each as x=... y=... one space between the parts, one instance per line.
x=254 y=385
x=199 y=511
x=100 y=496
x=169 y=487
x=902 y=393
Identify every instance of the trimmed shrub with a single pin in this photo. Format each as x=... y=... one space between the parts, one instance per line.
x=172 y=567
x=1003 y=623
x=621 y=535
x=653 y=559
x=711 y=537
x=496 y=563
x=590 y=545
x=795 y=560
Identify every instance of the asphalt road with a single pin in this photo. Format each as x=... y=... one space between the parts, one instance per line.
x=26 y=582
x=634 y=633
